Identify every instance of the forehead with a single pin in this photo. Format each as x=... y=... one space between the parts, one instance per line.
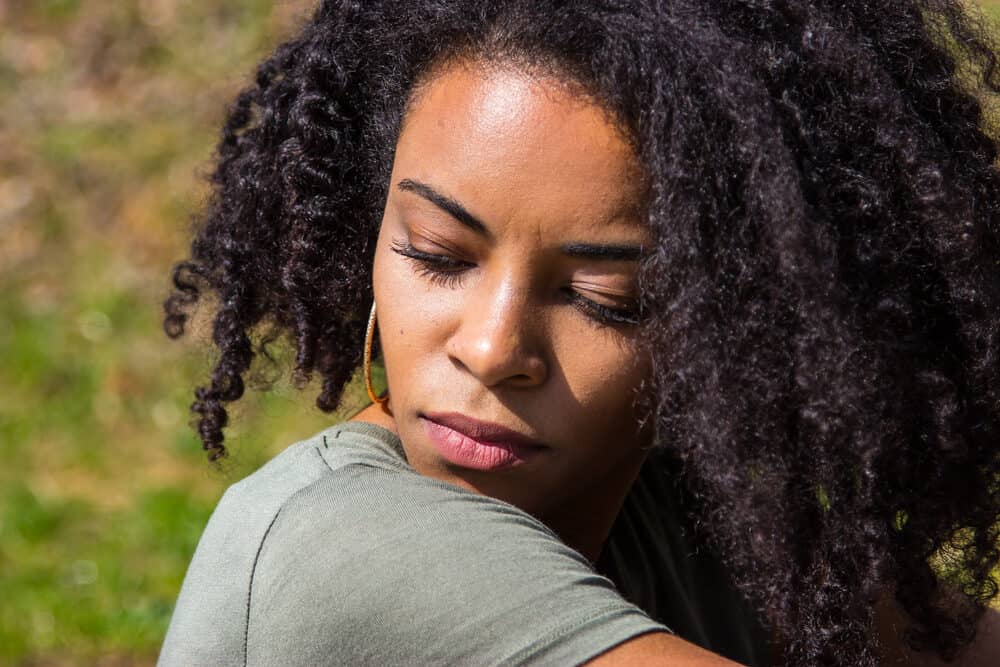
x=520 y=148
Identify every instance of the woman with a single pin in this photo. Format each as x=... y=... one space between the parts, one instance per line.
x=682 y=293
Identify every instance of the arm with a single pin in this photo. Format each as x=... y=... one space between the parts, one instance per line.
x=656 y=649
x=664 y=649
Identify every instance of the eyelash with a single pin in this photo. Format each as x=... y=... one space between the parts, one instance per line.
x=439 y=269
x=601 y=313
x=449 y=272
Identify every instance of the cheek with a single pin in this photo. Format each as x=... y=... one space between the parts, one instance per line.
x=410 y=319
x=603 y=374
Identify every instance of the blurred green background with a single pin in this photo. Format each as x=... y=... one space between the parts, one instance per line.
x=108 y=118
x=108 y=115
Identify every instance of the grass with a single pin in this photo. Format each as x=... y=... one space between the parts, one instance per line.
x=109 y=111
x=108 y=115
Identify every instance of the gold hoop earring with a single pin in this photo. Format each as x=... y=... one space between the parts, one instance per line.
x=367 y=366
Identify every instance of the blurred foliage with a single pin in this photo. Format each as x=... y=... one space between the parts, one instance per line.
x=108 y=117
x=108 y=113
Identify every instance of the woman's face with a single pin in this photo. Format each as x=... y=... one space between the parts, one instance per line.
x=505 y=279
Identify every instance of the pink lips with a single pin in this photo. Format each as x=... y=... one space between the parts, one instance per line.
x=478 y=445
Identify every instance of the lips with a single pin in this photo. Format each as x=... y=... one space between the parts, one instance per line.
x=470 y=443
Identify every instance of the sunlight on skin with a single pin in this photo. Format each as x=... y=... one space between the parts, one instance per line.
x=541 y=170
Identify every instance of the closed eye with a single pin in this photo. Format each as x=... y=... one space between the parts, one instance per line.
x=606 y=315
x=448 y=271
x=438 y=269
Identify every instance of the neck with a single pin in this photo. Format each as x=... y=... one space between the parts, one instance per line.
x=378 y=414
x=586 y=521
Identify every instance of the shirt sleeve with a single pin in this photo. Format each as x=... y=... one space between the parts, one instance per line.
x=374 y=567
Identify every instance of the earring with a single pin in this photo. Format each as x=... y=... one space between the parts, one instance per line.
x=367 y=367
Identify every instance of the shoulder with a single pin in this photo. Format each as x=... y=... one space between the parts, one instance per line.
x=383 y=529
x=337 y=552
x=244 y=514
x=208 y=625
x=389 y=567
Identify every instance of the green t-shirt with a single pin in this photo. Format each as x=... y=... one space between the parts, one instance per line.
x=338 y=553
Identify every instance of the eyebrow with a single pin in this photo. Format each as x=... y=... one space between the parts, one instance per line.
x=614 y=253
x=445 y=203
x=602 y=251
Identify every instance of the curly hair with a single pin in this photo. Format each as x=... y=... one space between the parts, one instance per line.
x=822 y=298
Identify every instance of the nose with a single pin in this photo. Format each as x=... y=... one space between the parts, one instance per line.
x=497 y=339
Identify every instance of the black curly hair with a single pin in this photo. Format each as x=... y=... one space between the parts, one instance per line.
x=823 y=298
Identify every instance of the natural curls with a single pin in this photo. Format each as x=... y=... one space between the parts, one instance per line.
x=823 y=296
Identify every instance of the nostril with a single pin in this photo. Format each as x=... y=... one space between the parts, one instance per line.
x=493 y=366
x=459 y=364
